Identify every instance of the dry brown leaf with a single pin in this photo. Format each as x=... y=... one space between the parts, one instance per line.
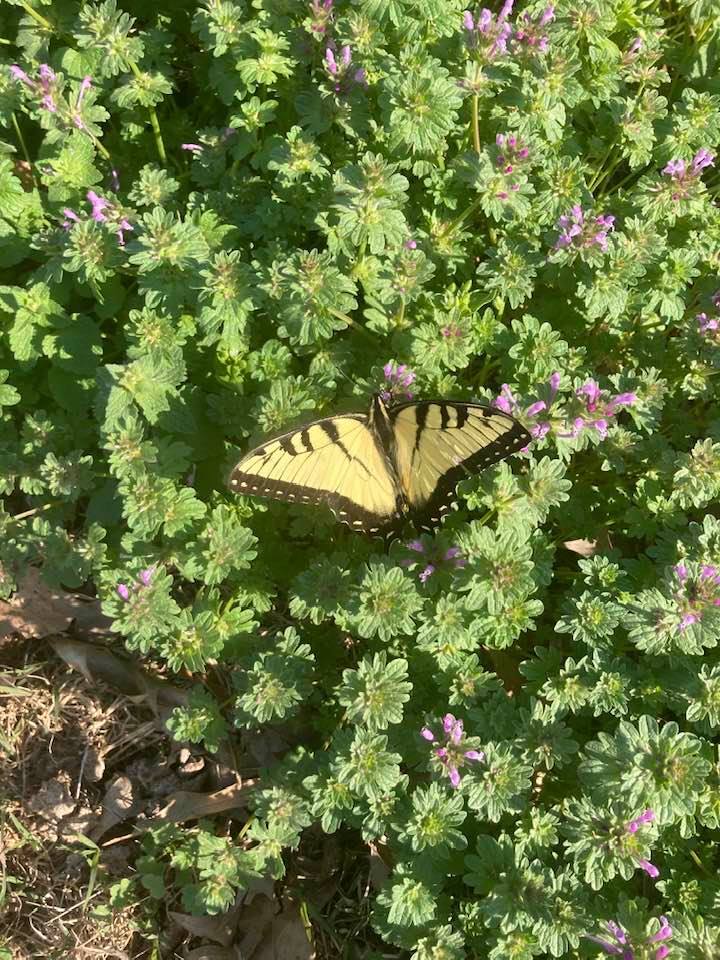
x=269 y=934
x=215 y=953
x=119 y=804
x=185 y=805
x=379 y=870
x=53 y=801
x=97 y=663
x=220 y=929
x=36 y=610
x=586 y=548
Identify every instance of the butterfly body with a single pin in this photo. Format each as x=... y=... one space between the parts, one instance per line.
x=374 y=468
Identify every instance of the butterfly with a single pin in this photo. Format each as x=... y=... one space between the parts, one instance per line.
x=374 y=468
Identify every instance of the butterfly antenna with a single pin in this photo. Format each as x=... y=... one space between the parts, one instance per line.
x=346 y=376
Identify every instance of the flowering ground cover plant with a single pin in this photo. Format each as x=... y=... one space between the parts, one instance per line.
x=219 y=218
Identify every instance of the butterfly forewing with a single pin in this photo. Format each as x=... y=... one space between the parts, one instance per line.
x=438 y=442
x=335 y=461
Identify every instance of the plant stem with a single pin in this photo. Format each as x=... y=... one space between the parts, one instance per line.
x=600 y=170
x=31 y=513
x=351 y=323
x=154 y=122
x=463 y=216
x=476 y=123
x=614 y=164
x=100 y=148
x=23 y=147
x=629 y=176
x=38 y=18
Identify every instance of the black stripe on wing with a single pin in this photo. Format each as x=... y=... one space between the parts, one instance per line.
x=503 y=446
x=295 y=443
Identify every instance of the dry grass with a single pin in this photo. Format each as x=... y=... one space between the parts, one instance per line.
x=56 y=734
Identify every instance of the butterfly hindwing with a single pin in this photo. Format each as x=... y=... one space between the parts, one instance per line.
x=335 y=460
x=437 y=442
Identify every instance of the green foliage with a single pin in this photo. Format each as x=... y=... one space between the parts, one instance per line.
x=209 y=233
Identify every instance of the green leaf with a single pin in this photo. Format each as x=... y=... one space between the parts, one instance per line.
x=9 y=396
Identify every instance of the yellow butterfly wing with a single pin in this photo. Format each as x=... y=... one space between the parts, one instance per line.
x=336 y=461
x=439 y=442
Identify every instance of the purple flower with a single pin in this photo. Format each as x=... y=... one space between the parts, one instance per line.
x=511 y=152
x=695 y=593
x=635 y=47
x=488 y=36
x=674 y=168
x=122 y=227
x=17 y=74
x=687 y=620
x=650 y=869
x=617 y=945
x=510 y=156
x=664 y=933
x=410 y=244
x=616 y=940
x=529 y=33
x=84 y=87
x=343 y=75
x=397 y=379
x=195 y=148
x=47 y=76
x=508 y=404
x=506 y=401
x=452 y=754
x=70 y=218
x=598 y=411
x=703 y=158
x=321 y=13
x=620 y=400
x=144 y=579
x=98 y=204
x=577 y=231
x=102 y=210
x=435 y=557
x=452 y=332
x=647 y=816
x=47 y=83
x=44 y=86
x=707 y=325
x=683 y=179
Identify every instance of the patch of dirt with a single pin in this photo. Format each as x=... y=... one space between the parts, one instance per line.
x=76 y=759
